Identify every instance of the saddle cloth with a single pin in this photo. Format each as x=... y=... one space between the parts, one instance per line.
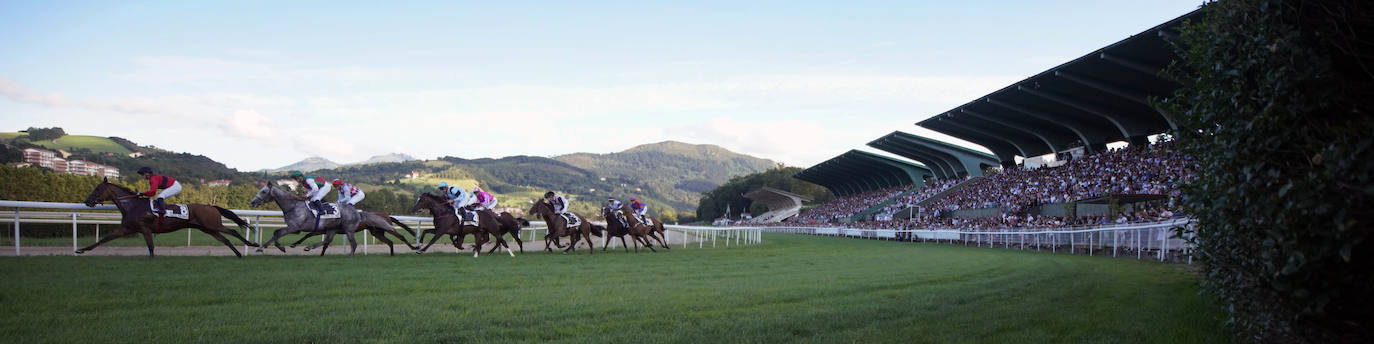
x=180 y=211
x=331 y=211
x=646 y=221
x=472 y=218
x=572 y=219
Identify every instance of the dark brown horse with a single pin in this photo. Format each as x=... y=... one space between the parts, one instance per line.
x=446 y=222
x=375 y=222
x=654 y=231
x=137 y=217
x=618 y=226
x=558 y=227
x=509 y=225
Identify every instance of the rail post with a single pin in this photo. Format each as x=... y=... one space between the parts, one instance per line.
x=73 y=234
x=16 y=231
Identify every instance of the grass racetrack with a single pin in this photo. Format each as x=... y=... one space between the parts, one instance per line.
x=792 y=288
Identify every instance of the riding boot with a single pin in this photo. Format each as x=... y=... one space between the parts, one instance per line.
x=161 y=208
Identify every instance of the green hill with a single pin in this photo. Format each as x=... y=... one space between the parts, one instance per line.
x=69 y=143
x=678 y=172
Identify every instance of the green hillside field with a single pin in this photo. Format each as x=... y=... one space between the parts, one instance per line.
x=789 y=289
x=93 y=143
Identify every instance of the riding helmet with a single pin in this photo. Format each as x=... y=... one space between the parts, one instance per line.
x=548 y=194
x=145 y=169
x=338 y=182
x=297 y=173
x=443 y=185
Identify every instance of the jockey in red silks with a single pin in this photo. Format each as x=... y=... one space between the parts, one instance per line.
x=170 y=187
x=640 y=208
x=348 y=194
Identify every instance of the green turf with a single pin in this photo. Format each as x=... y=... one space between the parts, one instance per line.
x=793 y=288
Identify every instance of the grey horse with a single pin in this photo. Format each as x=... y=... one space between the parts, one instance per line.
x=299 y=219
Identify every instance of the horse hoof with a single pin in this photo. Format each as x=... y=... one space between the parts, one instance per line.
x=307 y=249
x=79 y=251
x=293 y=246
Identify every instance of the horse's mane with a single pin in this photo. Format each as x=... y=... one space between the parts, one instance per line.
x=431 y=196
x=121 y=187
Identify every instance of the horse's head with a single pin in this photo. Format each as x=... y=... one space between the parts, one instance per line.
x=539 y=207
x=99 y=194
x=422 y=202
x=522 y=221
x=266 y=194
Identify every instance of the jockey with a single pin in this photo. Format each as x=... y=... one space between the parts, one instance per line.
x=557 y=202
x=318 y=188
x=170 y=187
x=457 y=197
x=483 y=199
x=639 y=207
x=614 y=206
x=348 y=194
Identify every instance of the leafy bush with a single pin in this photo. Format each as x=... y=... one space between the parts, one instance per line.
x=42 y=134
x=1276 y=102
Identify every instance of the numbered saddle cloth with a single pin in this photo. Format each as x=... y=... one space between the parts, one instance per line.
x=572 y=219
x=646 y=221
x=180 y=211
x=330 y=211
x=471 y=219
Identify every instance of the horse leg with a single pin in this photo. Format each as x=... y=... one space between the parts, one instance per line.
x=436 y=237
x=381 y=235
x=516 y=235
x=240 y=237
x=276 y=235
x=502 y=242
x=328 y=238
x=622 y=244
x=352 y=242
x=307 y=236
x=655 y=236
x=222 y=239
x=148 y=237
x=399 y=237
x=604 y=243
x=587 y=234
x=118 y=233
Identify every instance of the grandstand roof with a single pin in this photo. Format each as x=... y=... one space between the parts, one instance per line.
x=1101 y=97
x=857 y=171
x=946 y=161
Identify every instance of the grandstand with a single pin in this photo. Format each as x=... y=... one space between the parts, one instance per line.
x=781 y=205
x=1050 y=165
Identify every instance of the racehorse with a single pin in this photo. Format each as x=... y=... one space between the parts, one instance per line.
x=378 y=223
x=558 y=227
x=511 y=225
x=298 y=217
x=618 y=226
x=447 y=222
x=136 y=216
x=654 y=231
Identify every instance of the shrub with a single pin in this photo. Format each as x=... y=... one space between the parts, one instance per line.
x=1276 y=106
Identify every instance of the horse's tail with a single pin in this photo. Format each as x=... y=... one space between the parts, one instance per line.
x=232 y=217
x=402 y=224
x=596 y=230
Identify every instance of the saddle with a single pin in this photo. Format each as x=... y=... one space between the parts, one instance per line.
x=325 y=211
x=471 y=219
x=572 y=219
x=646 y=221
x=180 y=211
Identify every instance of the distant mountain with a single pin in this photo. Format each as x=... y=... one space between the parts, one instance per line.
x=679 y=172
x=393 y=157
x=318 y=163
x=309 y=164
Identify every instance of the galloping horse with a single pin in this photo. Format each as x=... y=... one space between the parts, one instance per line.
x=511 y=225
x=136 y=216
x=378 y=223
x=616 y=228
x=558 y=227
x=299 y=219
x=447 y=222
x=655 y=230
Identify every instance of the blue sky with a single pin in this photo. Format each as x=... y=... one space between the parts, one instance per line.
x=263 y=84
